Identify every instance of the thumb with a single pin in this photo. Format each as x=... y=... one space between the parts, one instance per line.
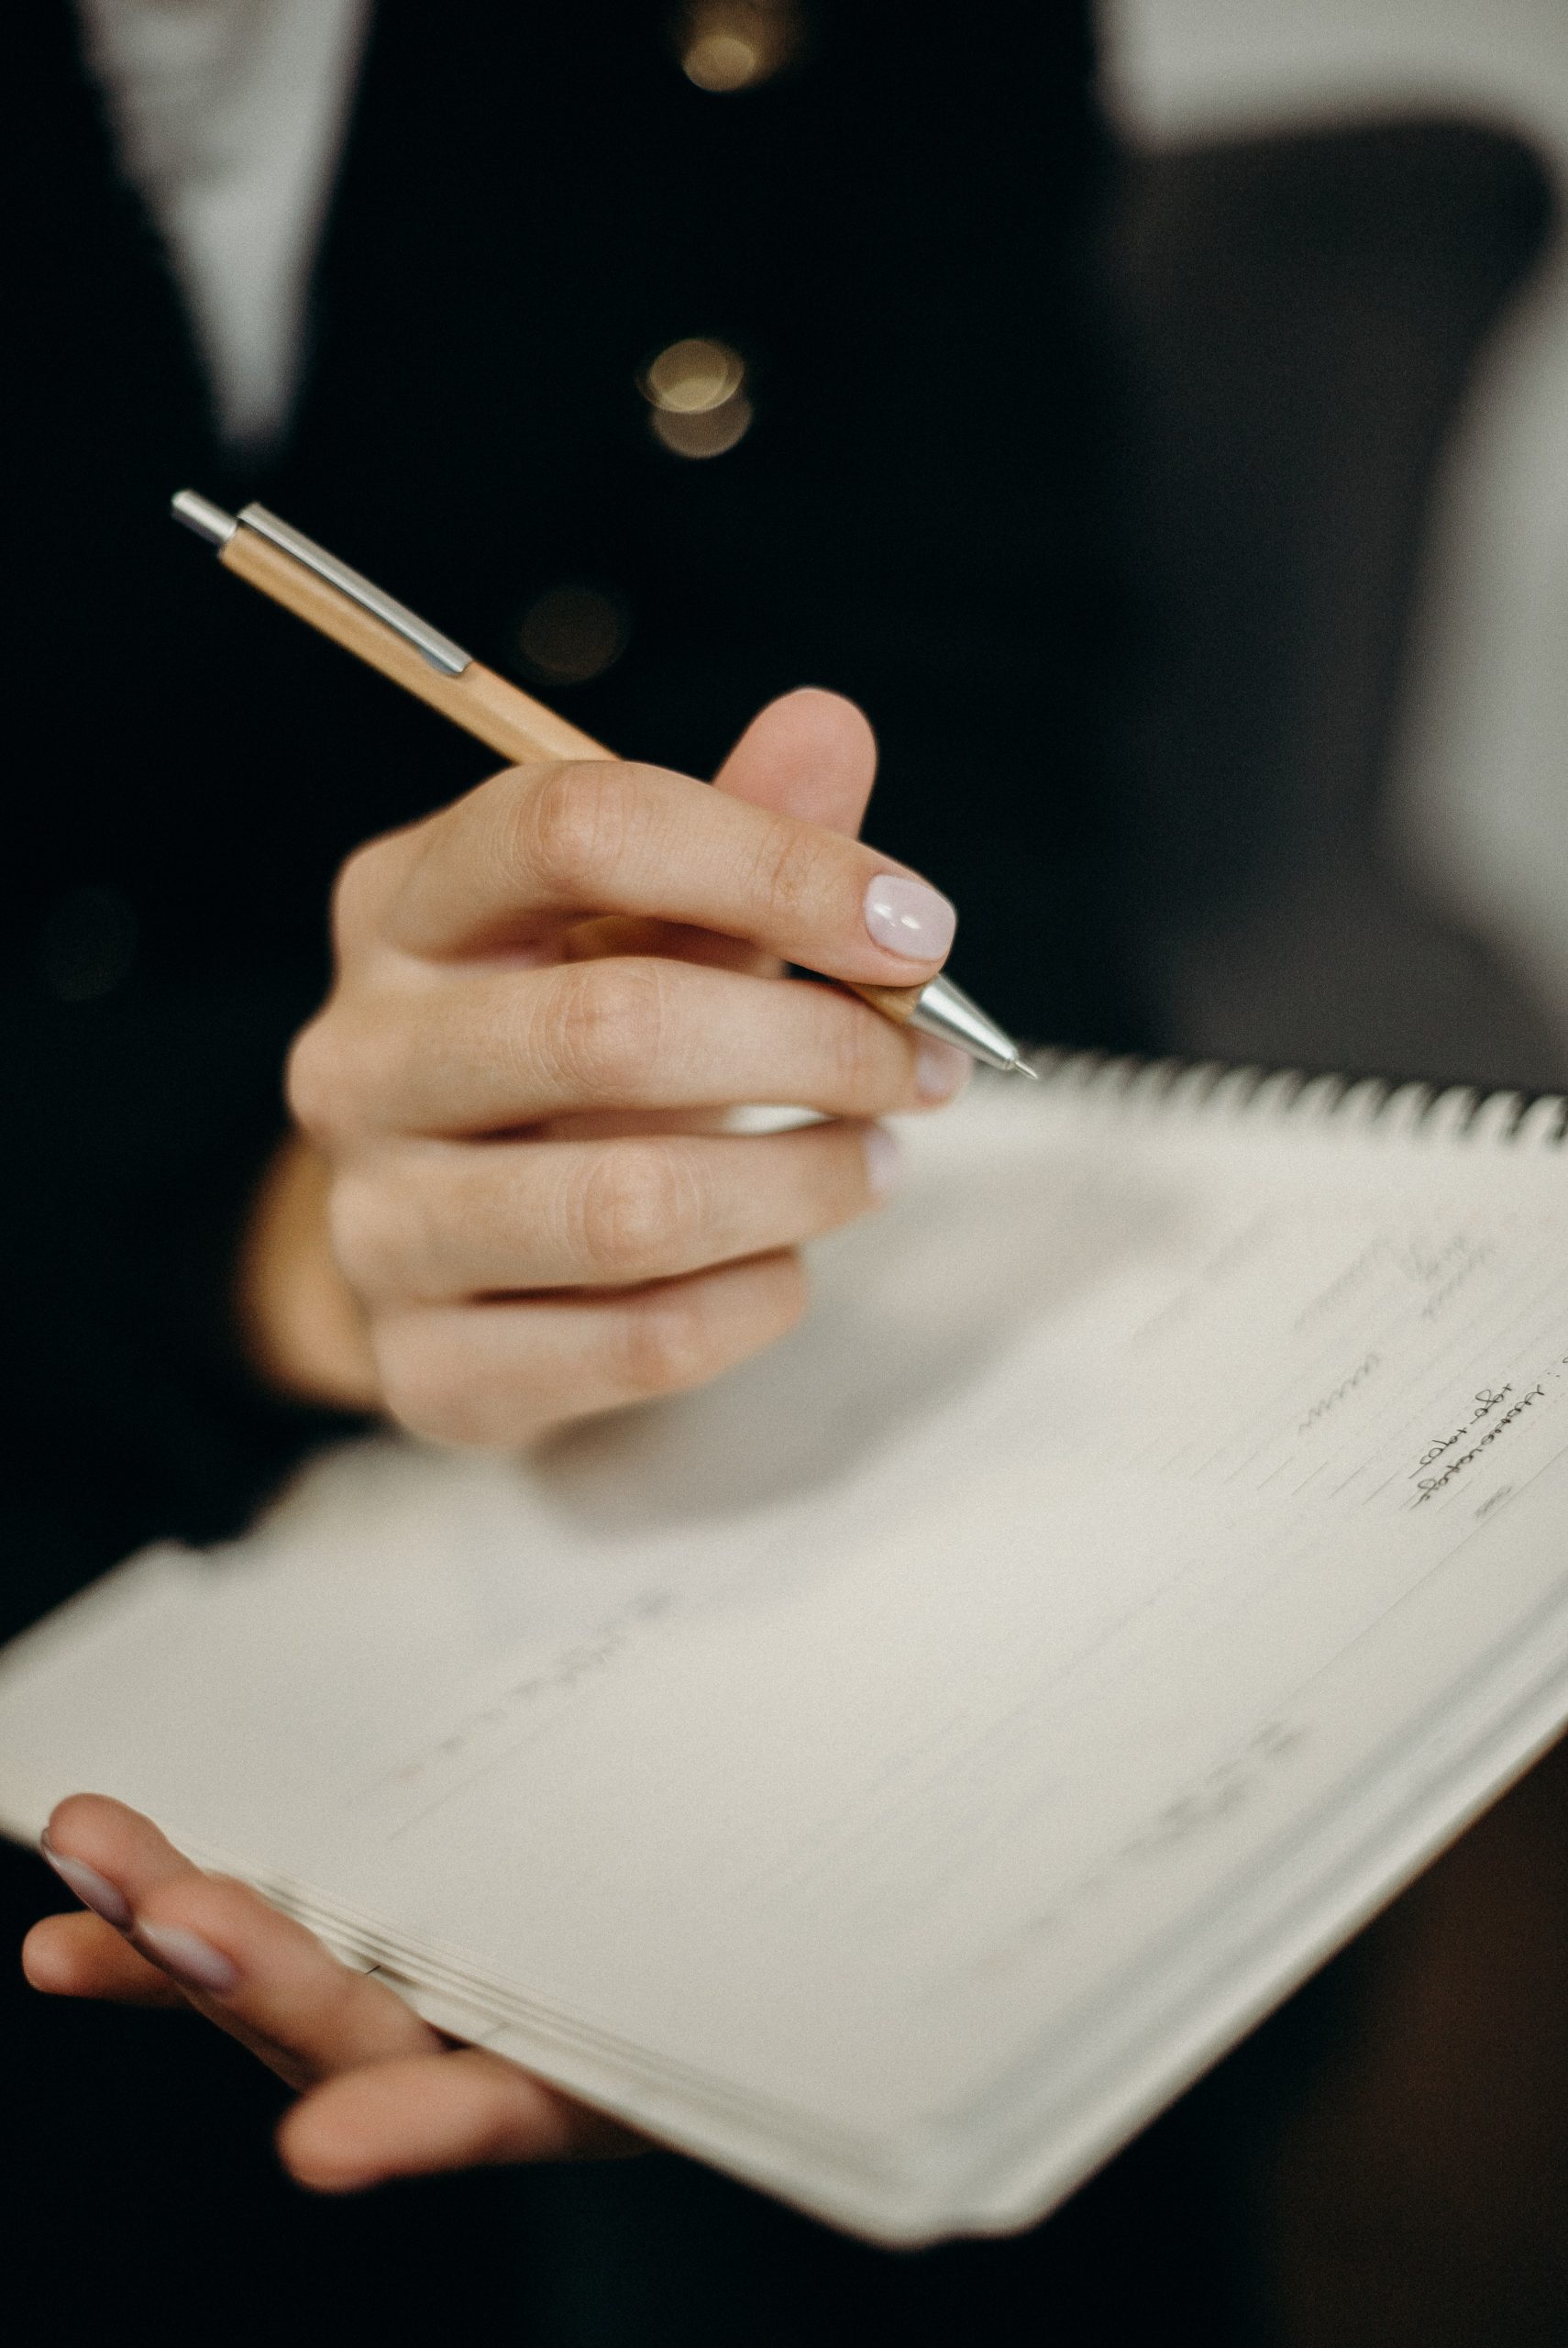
x=811 y=754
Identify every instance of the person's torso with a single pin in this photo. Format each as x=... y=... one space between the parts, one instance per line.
x=531 y=205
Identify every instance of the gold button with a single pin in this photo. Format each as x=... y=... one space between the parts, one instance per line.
x=695 y=388
x=709 y=433
x=734 y=44
x=689 y=378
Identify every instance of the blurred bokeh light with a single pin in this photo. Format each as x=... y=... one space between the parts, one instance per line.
x=694 y=388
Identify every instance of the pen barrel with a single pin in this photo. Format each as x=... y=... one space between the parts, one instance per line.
x=502 y=715
x=898 y=1003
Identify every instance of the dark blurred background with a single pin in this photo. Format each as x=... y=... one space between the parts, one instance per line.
x=1345 y=325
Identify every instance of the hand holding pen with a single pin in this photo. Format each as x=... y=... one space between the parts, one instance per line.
x=513 y=1203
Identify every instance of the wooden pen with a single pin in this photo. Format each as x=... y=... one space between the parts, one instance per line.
x=356 y=613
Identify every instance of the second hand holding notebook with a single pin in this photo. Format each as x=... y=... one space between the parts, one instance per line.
x=891 y=1773
x=313 y=584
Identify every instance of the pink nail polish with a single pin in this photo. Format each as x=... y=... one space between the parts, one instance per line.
x=93 y=1890
x=909 y=917
x=190 y=1961
x=942 y=1070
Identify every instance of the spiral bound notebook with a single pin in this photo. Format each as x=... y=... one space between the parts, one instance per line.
x=894 y=1773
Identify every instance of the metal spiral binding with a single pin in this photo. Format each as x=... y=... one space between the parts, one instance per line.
x=1413 y=1109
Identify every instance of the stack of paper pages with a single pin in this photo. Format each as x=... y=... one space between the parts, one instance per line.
x=893 y=1773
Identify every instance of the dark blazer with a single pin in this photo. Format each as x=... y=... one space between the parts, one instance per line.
x=532 y=201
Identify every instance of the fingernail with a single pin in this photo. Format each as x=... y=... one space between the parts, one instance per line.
x=909 y=917
x=942 y=1070
x=883 y=1157
x=193 y=1963
x=93 y=1890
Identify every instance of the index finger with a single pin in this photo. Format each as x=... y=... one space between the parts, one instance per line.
x=255 y=1972
x=538 y=848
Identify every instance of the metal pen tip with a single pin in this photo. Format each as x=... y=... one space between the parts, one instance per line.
x=945 y=1009
x=1022 y=1067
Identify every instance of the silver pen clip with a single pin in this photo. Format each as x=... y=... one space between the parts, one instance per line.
x=210 y=522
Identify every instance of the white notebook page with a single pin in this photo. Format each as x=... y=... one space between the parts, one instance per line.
x=895 y=1772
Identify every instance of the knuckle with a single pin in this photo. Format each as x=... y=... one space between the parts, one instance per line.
x=856 y=1044
x=377 y=1235
x=684 y=1334
x=612 y=1017
x=314 y=1078
x=636 y=1202
x=349 y=1070
x=226 y=1894
x=567 y=827
x=358 y=895
x=216 y=1905
x=668 y=1343
x=432 y=1390
x=795 y=870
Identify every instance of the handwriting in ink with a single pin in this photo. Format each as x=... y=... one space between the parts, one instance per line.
x=1441 y=1271
x=1430 y=1486
x=1488 y=1398
x=1341 y=1393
